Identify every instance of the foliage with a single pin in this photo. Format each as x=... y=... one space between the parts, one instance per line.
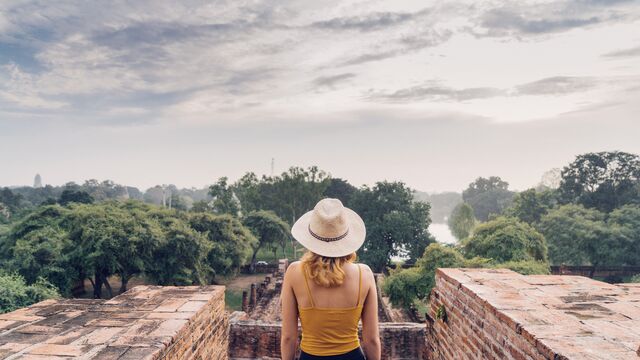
x=396 y=225
x=230 y=242
x=526 y=267
x=95 y=241
x=603 y=180
x=530 y=205
x=405 y=286
x=506 y=239
x=181 y=255
x=577 y=236
x=462 y=221
x=15 y=293
x=340 y=189
x=488 y=196
x=75 y=196
x=624 y=223
x=269 y=229
x=223 y=200
x=635 y=279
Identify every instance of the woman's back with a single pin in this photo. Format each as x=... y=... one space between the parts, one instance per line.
x=330 y=315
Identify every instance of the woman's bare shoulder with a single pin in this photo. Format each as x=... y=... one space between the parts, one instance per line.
x=293 y=269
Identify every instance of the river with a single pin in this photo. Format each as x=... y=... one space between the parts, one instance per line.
x=442 y=233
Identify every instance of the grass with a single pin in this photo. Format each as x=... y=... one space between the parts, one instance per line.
x=233 y=299
x=268 y=256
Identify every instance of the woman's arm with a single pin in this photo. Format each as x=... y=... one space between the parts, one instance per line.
x=289 y=335
x=370 y=332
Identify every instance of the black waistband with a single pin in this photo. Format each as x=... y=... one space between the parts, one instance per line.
x=355 y=354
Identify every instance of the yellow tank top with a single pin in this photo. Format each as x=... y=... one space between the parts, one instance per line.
x=329 y=331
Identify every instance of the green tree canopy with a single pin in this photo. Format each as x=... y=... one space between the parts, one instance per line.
x=269 y=229
x=462 y=221
x=577 y=236
x=230 y=241
x=506 y=239
x=625 y=222
x=603 y=180
x=488 y=196
x=224 y=201
x=340 y=189
x=75 y=196
x=530 y=205
x=396 y=225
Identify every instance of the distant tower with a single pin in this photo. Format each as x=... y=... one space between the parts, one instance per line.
x=37 y=182
x=273 y=161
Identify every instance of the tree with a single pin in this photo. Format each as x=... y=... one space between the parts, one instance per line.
x=624 y=222
x=230 y=242
x=396 y=225
x=530 y=205
x=578 y=236
x=269 y=229
x=75 y=196
x=506 y=239
x=103 y=244
x=488 y=196
x=462 y=221
x=340 y=189
x=603 y=180
x=37 y=247
x=224 y=201
x=181 y=256
x=249 y=193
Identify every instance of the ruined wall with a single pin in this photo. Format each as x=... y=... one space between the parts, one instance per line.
x=251 y=339
x=146 y=322
x=499 y=314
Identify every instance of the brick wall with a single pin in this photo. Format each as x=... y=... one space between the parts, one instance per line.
x=499 y=314
x=146 y=322
x=251 y=339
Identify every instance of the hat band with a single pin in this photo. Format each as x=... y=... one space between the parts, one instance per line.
x=327 y=239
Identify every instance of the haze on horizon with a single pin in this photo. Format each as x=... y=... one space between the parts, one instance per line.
x=432 y=93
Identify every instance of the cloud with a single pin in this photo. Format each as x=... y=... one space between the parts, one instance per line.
x=400 y=46
x=557 y=85
x=548 y=86
x=369 y=22
x=332 y=81
x=517 y=18
x=435 y=93
x=624 y=53
x=501 y=22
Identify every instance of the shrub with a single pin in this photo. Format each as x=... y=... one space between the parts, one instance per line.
x=529 y=267
x=506 y=239
x=15 y=293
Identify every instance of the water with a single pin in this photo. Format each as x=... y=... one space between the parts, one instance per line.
x=442 y=233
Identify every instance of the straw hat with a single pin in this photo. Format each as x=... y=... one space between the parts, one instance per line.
x=330 y=229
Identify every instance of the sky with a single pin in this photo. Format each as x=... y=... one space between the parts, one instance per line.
x=432 y=93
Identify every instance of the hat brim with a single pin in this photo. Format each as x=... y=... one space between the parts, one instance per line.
x=343 y=247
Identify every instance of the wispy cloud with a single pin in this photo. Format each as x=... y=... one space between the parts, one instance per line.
x=557 y=85
x=624 y=53
x=332 y=81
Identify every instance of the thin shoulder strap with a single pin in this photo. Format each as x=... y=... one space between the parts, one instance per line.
x=359 y=283
x=306 y=284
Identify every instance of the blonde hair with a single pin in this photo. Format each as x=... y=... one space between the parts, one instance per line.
x=326 y=271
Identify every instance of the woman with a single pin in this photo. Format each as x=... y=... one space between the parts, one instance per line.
x=328 y=291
